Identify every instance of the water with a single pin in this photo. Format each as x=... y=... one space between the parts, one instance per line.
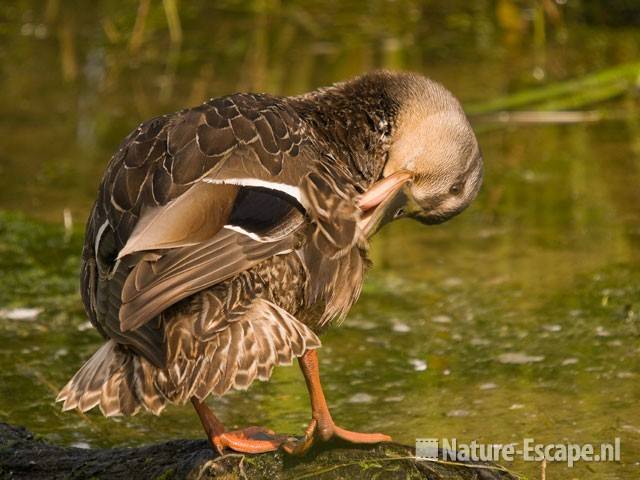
x=517 y=319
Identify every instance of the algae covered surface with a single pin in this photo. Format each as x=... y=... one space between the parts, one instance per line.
x=519 y=318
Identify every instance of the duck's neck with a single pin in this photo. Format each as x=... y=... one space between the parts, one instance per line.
x=353 y=121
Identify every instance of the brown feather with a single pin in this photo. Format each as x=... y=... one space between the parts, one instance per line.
x=192 y=218
x=190 y=307
x=142 y=303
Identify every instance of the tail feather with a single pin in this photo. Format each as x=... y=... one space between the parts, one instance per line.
x=85 y=388
x=114 y=379
x=201 y=361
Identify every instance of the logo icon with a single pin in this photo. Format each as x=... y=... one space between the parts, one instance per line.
x=426 y=448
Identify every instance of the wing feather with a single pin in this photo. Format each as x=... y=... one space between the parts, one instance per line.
x=164 y=226
x=144 y=301
x=193 y=217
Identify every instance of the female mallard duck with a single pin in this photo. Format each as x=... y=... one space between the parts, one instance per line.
x=227 y=236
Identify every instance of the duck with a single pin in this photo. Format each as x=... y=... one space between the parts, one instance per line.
x=227 y=237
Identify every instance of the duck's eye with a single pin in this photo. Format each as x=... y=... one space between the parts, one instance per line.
x=455 y=189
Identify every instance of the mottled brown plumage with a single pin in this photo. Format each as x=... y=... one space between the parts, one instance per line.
x=226 y=237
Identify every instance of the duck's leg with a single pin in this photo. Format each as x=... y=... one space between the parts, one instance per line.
x=321 y=426
x=247 y=440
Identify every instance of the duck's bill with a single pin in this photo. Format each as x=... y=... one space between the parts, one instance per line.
x=387 y=200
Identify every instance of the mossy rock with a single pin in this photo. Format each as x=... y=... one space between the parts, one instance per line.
x=22 y=457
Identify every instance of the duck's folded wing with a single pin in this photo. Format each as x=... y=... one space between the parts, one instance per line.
x=257 y=224
x=194 y=198
x=157 y=282
x=152 y=277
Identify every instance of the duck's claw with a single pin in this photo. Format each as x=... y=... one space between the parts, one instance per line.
x=301 y=446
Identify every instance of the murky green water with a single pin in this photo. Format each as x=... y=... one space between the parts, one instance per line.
x=518 y=319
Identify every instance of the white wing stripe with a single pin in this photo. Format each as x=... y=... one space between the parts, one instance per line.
x=290 y=190
x=99 y=236
x=251 y=235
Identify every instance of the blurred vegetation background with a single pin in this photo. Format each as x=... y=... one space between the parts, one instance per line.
x=87 y=73
x=518 y=318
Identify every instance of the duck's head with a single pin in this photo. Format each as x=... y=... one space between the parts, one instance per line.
x=434 y=164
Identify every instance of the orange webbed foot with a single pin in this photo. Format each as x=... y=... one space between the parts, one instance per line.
x=327 y=431
x=248 y=440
